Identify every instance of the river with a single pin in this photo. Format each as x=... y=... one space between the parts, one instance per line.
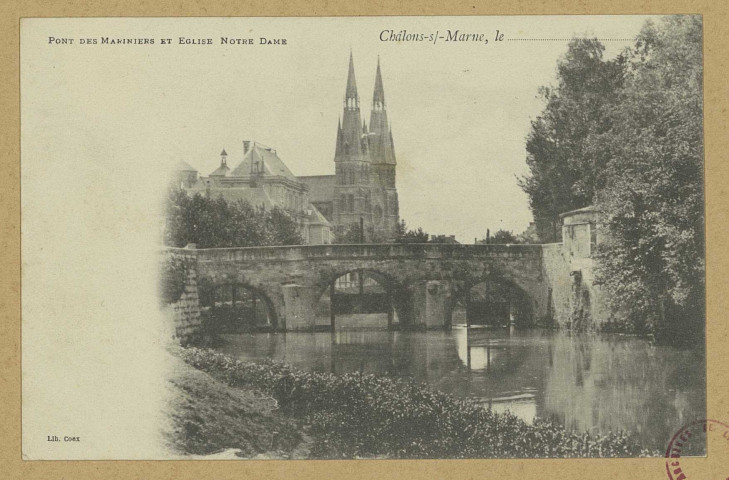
x=587 y=382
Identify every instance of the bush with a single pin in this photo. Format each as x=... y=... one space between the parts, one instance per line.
x=358 y=415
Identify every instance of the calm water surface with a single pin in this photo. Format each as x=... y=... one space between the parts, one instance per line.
x=588 y=382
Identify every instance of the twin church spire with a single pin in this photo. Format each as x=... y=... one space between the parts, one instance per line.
x=351 y=93
x=354 y=141
x=378 y=98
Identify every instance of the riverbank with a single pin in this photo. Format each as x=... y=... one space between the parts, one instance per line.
x=208 y=418
x=364 y=416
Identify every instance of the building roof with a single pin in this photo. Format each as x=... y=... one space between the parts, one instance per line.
x=221 y=171
x=255 y=196
x=266 y=156
x=321 y=187
x=588 y=209
x=315 y=217
x=183 y=166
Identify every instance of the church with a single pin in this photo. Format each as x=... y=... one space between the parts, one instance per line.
x=361 y=193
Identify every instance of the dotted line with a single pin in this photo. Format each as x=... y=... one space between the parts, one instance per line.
x=567 y=39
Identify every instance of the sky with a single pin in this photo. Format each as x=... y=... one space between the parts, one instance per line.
x=460 y=112
x=102 y=126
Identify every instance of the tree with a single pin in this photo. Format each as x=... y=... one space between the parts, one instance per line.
x=528 y=236
x=565 y=165
x=501 y=237
x=652 y=210
x=401 y=228
x=215 y=223
x=410 y=236
x=414 y=236
x=282 y=228
x=348 y=234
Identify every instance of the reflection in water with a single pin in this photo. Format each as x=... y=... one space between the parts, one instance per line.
x=589 y=382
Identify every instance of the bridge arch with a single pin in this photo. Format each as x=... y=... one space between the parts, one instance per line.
x=495 y=300
x=358 y=291
x=232 y=302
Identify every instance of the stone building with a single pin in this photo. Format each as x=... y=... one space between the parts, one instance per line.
x=263 y=180
x=362 y=191
x=185 y=175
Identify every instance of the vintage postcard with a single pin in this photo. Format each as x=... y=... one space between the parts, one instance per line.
x=364 y=238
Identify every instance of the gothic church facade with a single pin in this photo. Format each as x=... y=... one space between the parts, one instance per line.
x=363 y=189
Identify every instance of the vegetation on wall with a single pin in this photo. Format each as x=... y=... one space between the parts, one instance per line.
x=173 y=278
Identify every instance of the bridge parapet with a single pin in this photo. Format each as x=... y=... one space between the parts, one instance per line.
x=332 y=252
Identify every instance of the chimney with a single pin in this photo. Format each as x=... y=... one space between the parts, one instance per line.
x=246 y=146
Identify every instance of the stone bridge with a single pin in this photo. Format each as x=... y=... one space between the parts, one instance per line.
x=422 y=280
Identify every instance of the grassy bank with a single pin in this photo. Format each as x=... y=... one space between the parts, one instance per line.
x=356 y=415
x=207 y=416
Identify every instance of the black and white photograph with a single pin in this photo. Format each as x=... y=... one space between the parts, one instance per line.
x=363 y=238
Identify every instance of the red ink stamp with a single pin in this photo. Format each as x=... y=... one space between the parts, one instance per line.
x=691 y=440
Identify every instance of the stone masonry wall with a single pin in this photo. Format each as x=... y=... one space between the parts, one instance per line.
x=575 y=300
x=557 y=273
x=185 y=312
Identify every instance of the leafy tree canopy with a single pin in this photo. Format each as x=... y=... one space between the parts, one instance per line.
x=627 y=136
x=410 y=236
x=502 y=237
x=215 y=223
x=565 y=167
x=652 y=198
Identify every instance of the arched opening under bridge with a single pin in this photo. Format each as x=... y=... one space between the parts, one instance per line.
x=357 y=299
x=493 y=302
x=237 y=308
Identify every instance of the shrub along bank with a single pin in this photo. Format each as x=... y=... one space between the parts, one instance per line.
x=358 y=415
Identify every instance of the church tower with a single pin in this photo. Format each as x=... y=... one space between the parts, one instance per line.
x=385 y=205
x=365 y=166
x=352 y=163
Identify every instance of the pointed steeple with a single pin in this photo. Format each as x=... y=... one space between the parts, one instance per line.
x=381 y=145
x=223 y=169
x=340 y=139
x=351 y=81
x=351 y=147
x=378 y=98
